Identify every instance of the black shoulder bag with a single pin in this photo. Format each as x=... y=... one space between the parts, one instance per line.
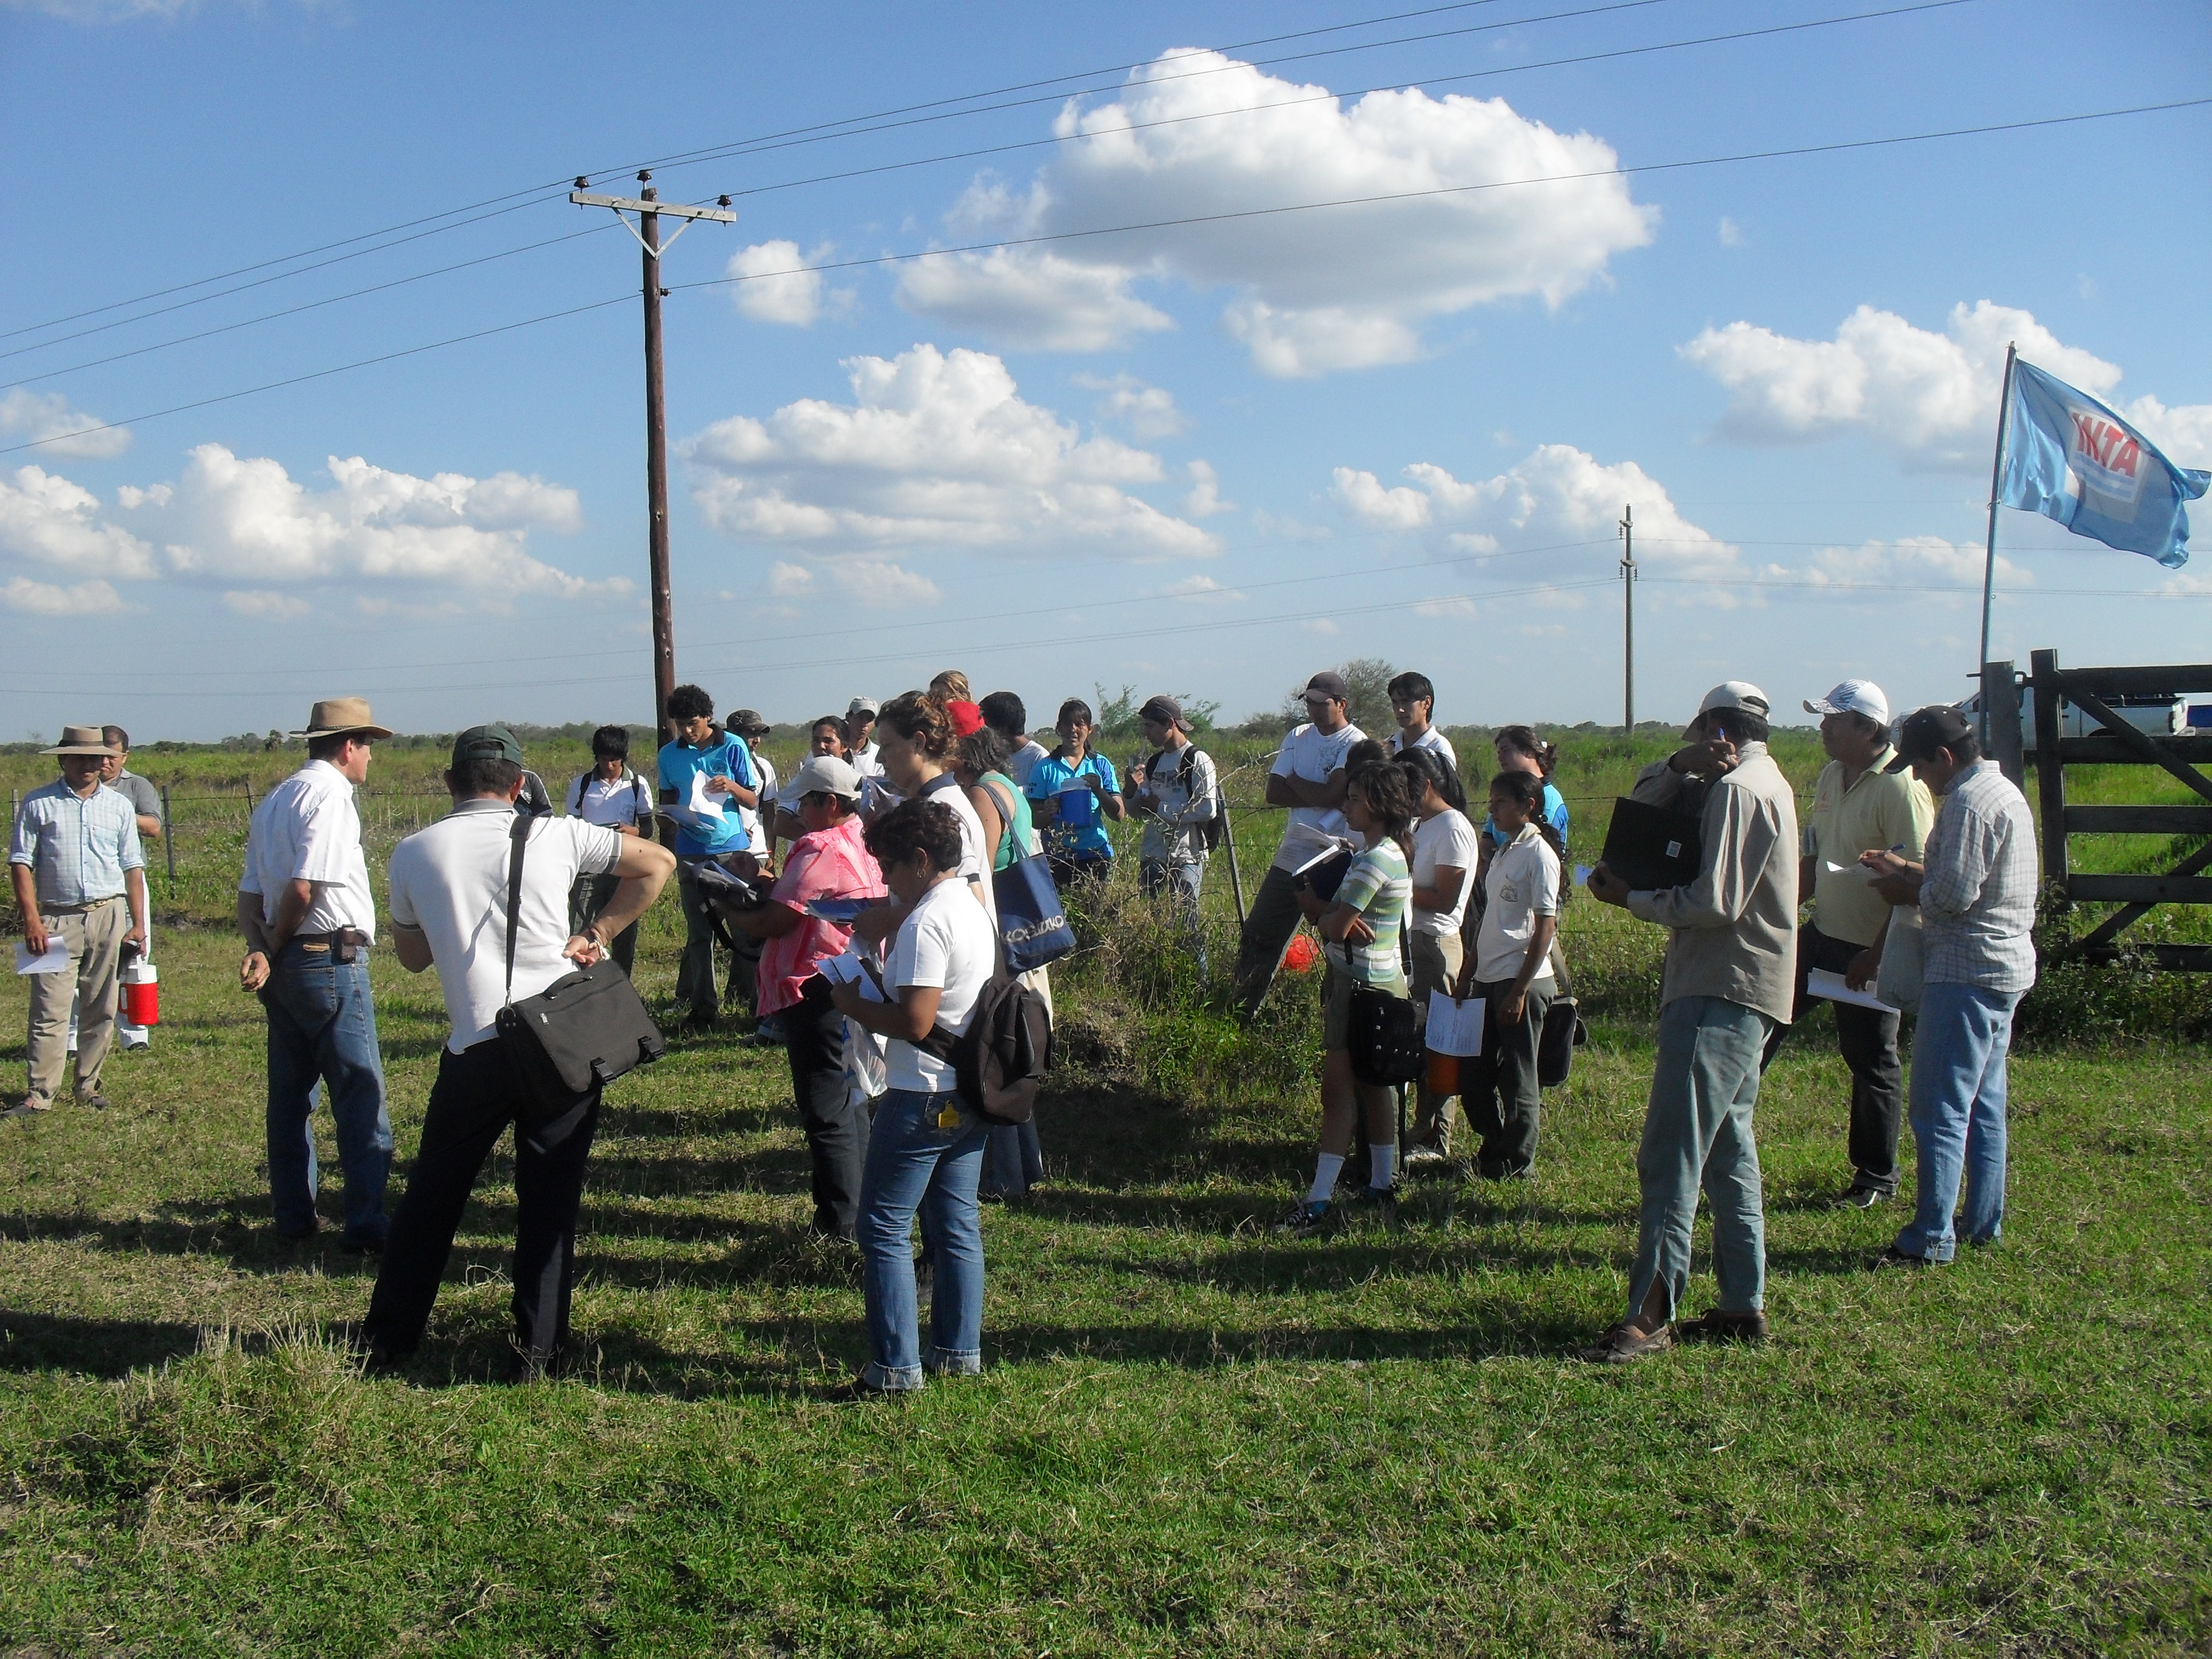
x=580 y=1032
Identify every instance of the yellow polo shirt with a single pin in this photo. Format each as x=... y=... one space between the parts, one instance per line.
x=1880 y=810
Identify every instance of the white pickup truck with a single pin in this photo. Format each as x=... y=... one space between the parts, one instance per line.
x=2155 y=715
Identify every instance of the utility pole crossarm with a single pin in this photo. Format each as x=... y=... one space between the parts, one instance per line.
x=667 y=210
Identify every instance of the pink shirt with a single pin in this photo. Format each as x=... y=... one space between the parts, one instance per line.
x=822 y=864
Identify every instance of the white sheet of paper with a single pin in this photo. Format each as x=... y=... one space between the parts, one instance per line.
x=55 y=960
x=1856 y=872
x=1821 y=982
x=1454 y=1027
x=1582 y=875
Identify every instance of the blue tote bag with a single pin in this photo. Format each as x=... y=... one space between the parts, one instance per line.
x=1032 y=921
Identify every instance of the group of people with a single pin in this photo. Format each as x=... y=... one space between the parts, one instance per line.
x=866 y=947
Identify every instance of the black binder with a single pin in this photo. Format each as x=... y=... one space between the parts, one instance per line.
x=1649 y=847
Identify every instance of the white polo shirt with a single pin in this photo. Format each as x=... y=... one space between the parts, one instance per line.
x=948 y=942
x=627 y=800
x=1523 y=883
x=450 y=881
x=1431 y=738
x=307 y=828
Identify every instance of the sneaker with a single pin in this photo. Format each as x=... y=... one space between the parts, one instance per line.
x=298 y=1235
x=1426 y=1152
x=97 y=1101
x=1308 y=1217
x=29 y=1106
x=1720 y=1326
x=363 y=1243
x=1862 y=1198
x=131 y=1045
x=1624 y=1343
x=1893 y=1257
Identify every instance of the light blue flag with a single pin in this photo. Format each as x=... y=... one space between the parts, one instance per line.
x=2070 y=458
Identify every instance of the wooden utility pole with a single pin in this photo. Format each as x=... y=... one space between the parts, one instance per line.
x=649 y=208
x=1628 y=613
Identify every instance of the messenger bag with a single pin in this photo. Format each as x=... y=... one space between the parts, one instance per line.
x=580 y=1032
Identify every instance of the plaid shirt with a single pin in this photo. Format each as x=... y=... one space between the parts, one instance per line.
x=78 y=846
x=1978 y=898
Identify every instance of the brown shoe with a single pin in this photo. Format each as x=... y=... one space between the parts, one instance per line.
x=1624 y=1342
x=1718 y=1324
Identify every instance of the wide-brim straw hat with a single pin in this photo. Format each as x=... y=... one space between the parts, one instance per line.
x=80 y=740
x=336 y=717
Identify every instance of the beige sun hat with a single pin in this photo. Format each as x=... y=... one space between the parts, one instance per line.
x=335 y=717
x=80 y=740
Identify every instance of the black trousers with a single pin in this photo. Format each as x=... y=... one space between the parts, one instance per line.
x=1868 y=1040
x=477 y=1094
x=590 y=896
x=1497 y=1088
x=1268 y=924
x=836 y=1125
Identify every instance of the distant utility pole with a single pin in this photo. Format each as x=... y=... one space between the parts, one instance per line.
x=1628 y=612
x=649 y=208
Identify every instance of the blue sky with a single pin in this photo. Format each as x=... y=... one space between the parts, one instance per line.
x=1205 y=458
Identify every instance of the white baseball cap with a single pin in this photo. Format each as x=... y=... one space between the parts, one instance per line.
x=1852 y=697
x=826 y=775
x=1733 y=694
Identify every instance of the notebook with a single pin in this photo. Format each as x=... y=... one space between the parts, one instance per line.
x=1325 y=872
x=1649 y=847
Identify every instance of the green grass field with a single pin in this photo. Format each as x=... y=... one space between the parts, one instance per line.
x=1193 y=1438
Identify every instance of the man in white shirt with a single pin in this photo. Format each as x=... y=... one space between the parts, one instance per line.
x=859 y=736
x=449 y=909
x=615 y=798
x=1412 y=705
x=1176 y=793
x=1006 y=714
x=1309 y=778
x=309 y=919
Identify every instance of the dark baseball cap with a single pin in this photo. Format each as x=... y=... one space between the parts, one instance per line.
x=1165 y=711
x=1924 y=730
x=748 y=723
x=1327 y=684
x=486 y=743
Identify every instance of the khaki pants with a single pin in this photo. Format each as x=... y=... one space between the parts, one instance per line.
x=1436 y=961
x=94 y=934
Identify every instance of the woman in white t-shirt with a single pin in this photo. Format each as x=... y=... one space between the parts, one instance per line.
x=1512 y=972
x=1447 y=847
x=926 y=1147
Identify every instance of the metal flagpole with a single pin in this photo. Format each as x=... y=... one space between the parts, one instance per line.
x=1989 y=563
x=1628 y=618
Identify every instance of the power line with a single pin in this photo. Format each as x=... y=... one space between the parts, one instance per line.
x=1788 y=153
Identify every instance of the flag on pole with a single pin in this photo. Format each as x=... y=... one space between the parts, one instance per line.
x=2070 y=458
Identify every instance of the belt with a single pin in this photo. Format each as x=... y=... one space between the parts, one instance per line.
x=340 y=942
x=85 y=908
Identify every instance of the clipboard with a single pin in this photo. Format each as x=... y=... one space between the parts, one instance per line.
x=1650 y=848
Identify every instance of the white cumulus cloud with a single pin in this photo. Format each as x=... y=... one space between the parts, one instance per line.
x=46 y=518
x=1910 y=561
x=1558 y=498
x=1931 y=399
x=938 y=450
x=91 y=598
x=266 y=603
x=42 y=418
x=1313 y=291
x=1148 y=411
x=1204 y=500
x=775 y=283
x=232 y=519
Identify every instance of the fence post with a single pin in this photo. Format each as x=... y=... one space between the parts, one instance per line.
x=169 y=839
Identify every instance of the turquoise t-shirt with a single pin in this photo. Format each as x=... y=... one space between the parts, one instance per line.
x=1080 y=829
x=1555 y=814
x=728 y=757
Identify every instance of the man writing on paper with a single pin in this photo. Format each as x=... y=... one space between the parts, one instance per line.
x=1731 y=965
x=73 y=857
x=1308 y=777
x=1858 y=807
x=1977 y=897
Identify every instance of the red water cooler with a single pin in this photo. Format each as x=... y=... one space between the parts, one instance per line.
x=142 y=994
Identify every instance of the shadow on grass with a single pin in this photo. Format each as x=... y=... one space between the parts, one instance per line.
x=97 y=1347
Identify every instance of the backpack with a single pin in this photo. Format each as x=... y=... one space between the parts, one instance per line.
x=998 y=1061
x=1208 y=830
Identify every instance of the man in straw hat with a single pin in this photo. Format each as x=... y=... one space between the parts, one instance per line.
x=73 y=857
x=305 y=907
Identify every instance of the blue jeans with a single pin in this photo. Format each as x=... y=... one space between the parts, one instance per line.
x=322 y=1025
x=913 y=1164
x=1697 y=1131
x=1958 y=1116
